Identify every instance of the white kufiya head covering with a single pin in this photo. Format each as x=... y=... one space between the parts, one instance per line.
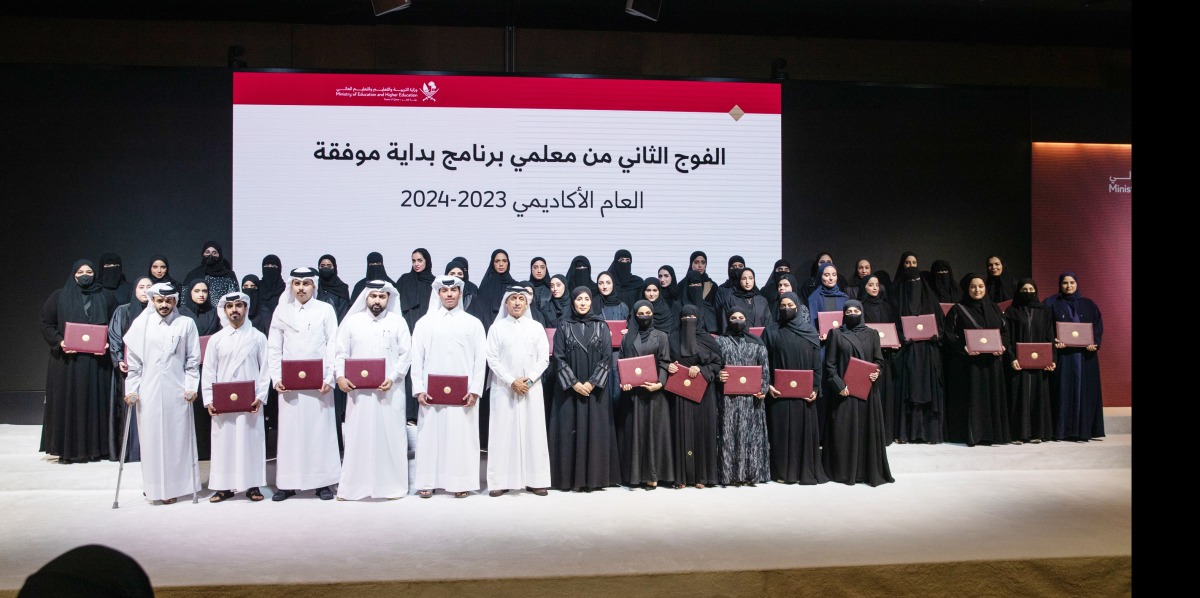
x=162 y=289
x=445 y=281
x=287 y=301
x=228 y=298
x=360 y=302
x=514 y=290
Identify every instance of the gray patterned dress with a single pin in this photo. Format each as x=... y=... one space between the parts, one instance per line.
x=745 y=454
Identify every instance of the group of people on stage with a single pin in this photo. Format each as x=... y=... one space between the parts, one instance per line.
x=542 y=392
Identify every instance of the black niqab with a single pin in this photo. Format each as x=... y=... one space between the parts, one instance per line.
x=271 y=286
x=580 y=275
x=332 y=283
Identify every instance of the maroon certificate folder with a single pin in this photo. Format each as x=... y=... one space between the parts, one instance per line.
x=366 y=373
x=858 y=377
x=983 y=340
x=550 y=338
x=615 y=327
x=691 y=389
x=1034 y=356
x=743 y=380
x=946 y=307
x=888 y=339
x=1074 y=334
x=303 y=374
x=919 y=328
x=233 y=397
x=447 y=390
x=637 y=370
x=1003 y=305
x=757 y=330
x=794 y=384
x=85 y=338
x=204 y=346
x=828 y=320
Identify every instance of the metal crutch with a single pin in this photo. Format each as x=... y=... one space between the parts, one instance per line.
x=124 y=445
x=195 y=457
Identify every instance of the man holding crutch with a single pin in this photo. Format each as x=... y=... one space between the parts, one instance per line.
x=163 y=350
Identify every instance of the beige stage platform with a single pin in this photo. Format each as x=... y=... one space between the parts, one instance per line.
x=1047 y=519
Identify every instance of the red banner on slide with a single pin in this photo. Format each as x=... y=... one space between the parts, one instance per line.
x=1083 y=223
x=535 y=93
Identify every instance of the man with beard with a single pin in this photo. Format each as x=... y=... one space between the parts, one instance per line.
x=239 y=440
x=163 y=351
x=376 y=463
x=307 y=454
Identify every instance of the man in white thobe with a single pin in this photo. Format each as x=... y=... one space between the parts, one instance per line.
x=450 y=342
x=376 y=461
x=517 y=354
x=163 y=350
x=307 y=452
x=238 y=353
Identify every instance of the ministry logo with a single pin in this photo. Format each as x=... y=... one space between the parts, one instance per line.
x=429 y=89
x=1121 y=184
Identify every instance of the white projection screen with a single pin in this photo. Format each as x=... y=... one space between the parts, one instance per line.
x=347 y=164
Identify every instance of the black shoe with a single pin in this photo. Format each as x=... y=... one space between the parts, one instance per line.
x=325 y=493
x=282 y=495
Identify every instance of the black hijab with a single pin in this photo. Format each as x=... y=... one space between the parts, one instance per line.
x=1030 y=300
x=544 y=281
x=912 y=295
x=862 y=320
x=984 y=312
x=643 y=333
x=1000 y=288
x=377 y=272
x=491 y=288
x=111 y=278
x=332 y=284
x=580 y=275
x=166 y=277
x=672 y=290
x=690 y=295
x=271 y=287
x=591 y=315
x=219 y=269
x=627 y=286
x=205 y=315
x=560 y=306
x=136 y=306
x=875 y=309
x=253 y=294
x=469 y=288
x=612 y=299
x=945 y=288
x=799 y=325
x=738 y=291
x=744 y=335
x=84 y=304
x=413 y=287
x=770 y=288
x=900 y=267
x=665 y=317
x=733 y=273
x=703 y=277
x=690 y=339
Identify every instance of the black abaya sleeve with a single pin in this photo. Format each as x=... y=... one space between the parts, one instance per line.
x=50 y=321
x=566 y=376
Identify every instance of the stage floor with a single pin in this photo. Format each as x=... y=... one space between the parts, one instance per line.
x=949 y=503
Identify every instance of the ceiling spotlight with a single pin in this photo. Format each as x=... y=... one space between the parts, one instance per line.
x=647 y=9
x=383 y=7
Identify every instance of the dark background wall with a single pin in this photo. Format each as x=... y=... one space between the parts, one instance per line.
x=120 y=139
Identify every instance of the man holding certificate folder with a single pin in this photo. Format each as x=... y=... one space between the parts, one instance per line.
x=234 y=383
x=371 y=357
x=448 y=366
x=302 y=330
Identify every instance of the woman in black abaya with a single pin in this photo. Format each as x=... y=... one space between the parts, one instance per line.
x=194 y=304
x=159 y=270
x=793 y=424
x=700 y=290
x=695 y=426
x=666 y=314
x=78 y=385
x=491 y=289
x=855 y=450
x=122 y=319
x=413 y=287
x=877 y=311
x=945 y=287
x=1029 y=321
x=643 y=418
x=920 y=391
x=375 y=271
x=583 y=442
x=271 y=286
x=668 y=284
x=580 y=275
x=332 y=289
x=539 y=277
x=215 y=271
x=745 y=297
x=112 y=278
x=629 y=285
x=976 y=397
x=770 y=288
x=1001 y=285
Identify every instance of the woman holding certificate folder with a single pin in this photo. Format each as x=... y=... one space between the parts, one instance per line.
x=643 y=417
x=855 y=446
x=793 y=427
x=695 y=425
x=744 y=450
x=1029 y=321
x=976 y=396
x=1076 y=384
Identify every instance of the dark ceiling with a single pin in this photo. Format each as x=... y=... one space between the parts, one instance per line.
x=1086 y=23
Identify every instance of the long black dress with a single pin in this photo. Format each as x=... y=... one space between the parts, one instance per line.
x=855 y=450
x=976 y=396
x=1029 y=321
x=793 y=426
x=920 y=391
x=878 y=311
x=78 y=385
x=695 y=426
x=122 y=319
x=643 y=417
x=208 y=322
x=583 y=442
x=332 y=289
x=1079 y=413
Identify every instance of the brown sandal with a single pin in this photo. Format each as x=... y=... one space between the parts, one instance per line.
x=425 y=493
x=220 y=496
x=461 y=494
